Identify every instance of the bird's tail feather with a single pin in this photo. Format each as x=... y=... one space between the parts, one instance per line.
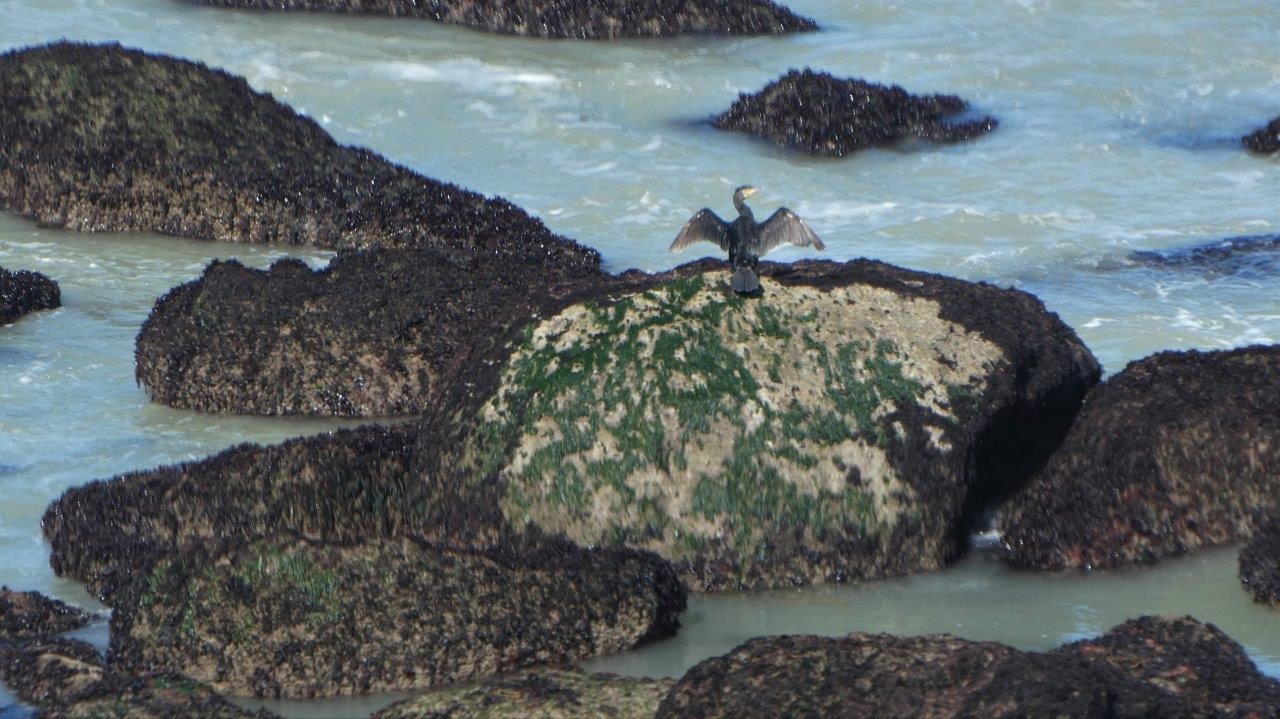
x=744 y=280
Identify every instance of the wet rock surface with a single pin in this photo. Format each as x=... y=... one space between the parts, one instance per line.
x=287 y=618
x=373 y=334
x=24 y=291
x=600 y=19
x=1148 y=667
x=31 y=614
x=103 y=138
x=1265 y=139
x=833 y=429
x=541 y=694
x=820 y=114
x=1246 y=256
x=1179 y=450
x=340 y=487
x=1260 y=564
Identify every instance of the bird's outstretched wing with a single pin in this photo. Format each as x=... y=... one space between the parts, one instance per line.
x=706 y=226
x=785 y=226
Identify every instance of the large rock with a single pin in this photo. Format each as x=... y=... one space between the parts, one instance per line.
x=66 y=678
x=1260 y=564
x=1265 y=139
x=1149 y=667
x=1178 y=451
x=372 y=334
x=102 y=138
x=850 y=423
x=25 y=291
x=342 y=487
x=824 y=115
x=540 y=694
x=25 y=615
x=285 y=617
x=570 y=18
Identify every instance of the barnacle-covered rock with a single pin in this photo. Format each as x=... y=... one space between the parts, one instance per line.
x=1260 y=564
x=539 y=694
x=594 y=19
x=1180 y=450
x=32 y=614
x=848 y=423
x=823 y=115
x=286 y=617
x=1265 y=139
x=25 y=291
x=103 y=138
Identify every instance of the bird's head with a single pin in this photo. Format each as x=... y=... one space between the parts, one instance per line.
x=743 y=193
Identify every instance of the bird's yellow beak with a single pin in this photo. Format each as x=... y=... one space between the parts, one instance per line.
x=749 y=192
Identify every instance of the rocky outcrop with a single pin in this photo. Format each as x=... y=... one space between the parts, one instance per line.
x=1149 y=667
x=25 y=291
x=67 y=678
x=596 y=19
x=818 y=113
x=1178 y=451
x=341 y=487
x=1247 y=255
x=1265 y=139
x=103 y=138
x=1260 y=564
x=847 y=424
x=541 y=694
x=25 y=615
x=285 y=617
x=373 y=334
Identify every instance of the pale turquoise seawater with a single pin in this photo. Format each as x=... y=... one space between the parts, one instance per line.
x=1118 y=124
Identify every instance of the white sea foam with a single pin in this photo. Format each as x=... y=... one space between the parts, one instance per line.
x=470 y=73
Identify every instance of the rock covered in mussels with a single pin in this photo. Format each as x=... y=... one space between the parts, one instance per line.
x=1260 y=564
x=1179 y=450
x=32 y=614
x=1265 y=139
x=24 y=291
x=287 y=618
x=818 y=113
x=1148 y=667
x=103 y=138
x=849 y=423
x=585 y=19
x=539 y=694
x=370 y=335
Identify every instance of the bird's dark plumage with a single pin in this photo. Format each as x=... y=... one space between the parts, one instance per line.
x=745 y=239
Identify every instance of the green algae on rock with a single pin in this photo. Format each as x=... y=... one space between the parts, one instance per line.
x=584 y=19
x=1147 y=667
x=24 y=291
x=286 y=618
x=826 y=431
x=539 y=694
x=103 y=138
x=1178 y=451
x=370 y=335
x=1260 y=564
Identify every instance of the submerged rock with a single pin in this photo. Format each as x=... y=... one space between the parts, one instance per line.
x=1178 y=451
x=1246 y=256
x=25 y=291
x=372 y=334
x=1148 y=667
x=593 y=19
x=287 y=618
x=103 y=138
x=847 y=424
x=824 y=115
x=31 y=614
x=67 y=678
x=343 y=487
x=541 y=694
x=1265 y=139
x=1260 y=564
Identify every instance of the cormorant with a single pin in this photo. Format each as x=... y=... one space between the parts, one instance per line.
x=745 y=239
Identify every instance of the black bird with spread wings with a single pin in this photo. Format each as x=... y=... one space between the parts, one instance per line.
x=745 y=239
